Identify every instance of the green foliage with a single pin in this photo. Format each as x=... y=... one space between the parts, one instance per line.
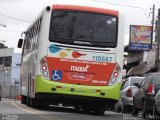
x=2 y=46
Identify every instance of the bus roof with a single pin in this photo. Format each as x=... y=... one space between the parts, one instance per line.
x=84 y=8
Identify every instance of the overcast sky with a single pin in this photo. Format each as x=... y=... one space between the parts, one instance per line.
x=18 y=14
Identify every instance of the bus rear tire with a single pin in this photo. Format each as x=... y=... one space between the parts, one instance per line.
x=23 y=99
x=87 y=109
x=99 y=109
x=33 y=103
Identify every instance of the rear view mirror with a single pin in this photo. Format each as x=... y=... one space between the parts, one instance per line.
x=20 y=42
x=137 y=85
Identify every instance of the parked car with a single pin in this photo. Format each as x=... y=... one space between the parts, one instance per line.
x=128 y=89
x=156 y=107
x=144 y=98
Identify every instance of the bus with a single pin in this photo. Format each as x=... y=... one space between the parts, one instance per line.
x=73 y=55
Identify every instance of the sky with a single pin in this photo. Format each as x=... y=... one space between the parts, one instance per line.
x=17 y=15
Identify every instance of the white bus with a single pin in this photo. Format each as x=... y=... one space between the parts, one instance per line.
x=73 y=55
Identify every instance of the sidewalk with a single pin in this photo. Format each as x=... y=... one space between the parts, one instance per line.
x=8 y=99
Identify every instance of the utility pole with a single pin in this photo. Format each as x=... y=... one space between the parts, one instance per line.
x=2 y=79
x=157 y=46
x=153 y=15
x=1 y=83
x=158 y=38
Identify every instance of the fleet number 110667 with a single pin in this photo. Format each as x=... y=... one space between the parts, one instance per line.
x=102 y=59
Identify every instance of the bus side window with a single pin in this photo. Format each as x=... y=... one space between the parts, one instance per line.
x=25 y=47
x=34 y=37
x=38 y=31
x=23 y=51
x=29 y=41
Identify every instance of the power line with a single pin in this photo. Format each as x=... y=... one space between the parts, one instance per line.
x=23 y=30
x=10 y=30
x=15 y=18
x=120 y=4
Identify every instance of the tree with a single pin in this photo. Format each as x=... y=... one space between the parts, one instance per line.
x=2 y=46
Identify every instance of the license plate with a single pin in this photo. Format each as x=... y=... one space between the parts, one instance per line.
x=79 y=76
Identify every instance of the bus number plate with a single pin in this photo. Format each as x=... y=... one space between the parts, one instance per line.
x=79 y=76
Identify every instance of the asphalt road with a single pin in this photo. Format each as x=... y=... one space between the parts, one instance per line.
x=14 y=110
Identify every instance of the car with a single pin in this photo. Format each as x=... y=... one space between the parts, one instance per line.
x=127 y=92
x=144 y=98
x=156 y=108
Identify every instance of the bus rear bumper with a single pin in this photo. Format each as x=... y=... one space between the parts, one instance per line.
x=54 y=98
x=62 y=91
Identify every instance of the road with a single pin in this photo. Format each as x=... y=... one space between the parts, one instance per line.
x=14 y=110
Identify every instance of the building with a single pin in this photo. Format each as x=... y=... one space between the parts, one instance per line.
x=9 y=72
x=141 y=62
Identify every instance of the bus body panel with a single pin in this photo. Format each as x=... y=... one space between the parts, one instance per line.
x=80 y=66
x=28 y=74
x=80 y=72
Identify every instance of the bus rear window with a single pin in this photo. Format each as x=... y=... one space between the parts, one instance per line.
x=83 y=28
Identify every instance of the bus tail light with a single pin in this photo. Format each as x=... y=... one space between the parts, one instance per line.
x=44 y=68
x=115 y=74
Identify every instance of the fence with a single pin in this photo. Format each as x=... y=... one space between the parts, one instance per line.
x=10 y=92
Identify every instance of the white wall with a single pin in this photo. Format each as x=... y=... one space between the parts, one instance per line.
x=15 y=71
x=6 y=52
